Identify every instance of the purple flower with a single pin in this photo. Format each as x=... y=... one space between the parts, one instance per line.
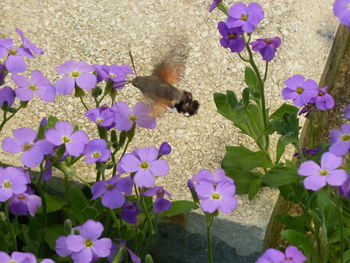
x=2 y=74
x=214 y=5
x=307 y=151
x=266 y=47
x=246 y=17
x=7 y=95
x=164 y=148
x=344 y=189
x=145 y=164
x=308 y=109
x=319 y=176
x=12 y=182
x=47 y=260
x=78 y=73
x=102 y=116
x=160 y=204
x=323 y=100
x=38 y=84
x=25 y=142
x=346 y=111
x=61 y=246
x=117 y=74
x=87 y=247
x=97 y=151
x=125 y=118
x=15 y=61
x=299 y=90
x=231 y=37
x=63 y=134
x=29 y=45
x=129 y=212
x=218 y=176
x=101 y=74
x=24 y=203
x=17 y=257
x=341 y=10
x=122 y=244
x=271 y=255
x=112 y=191
x=294 y=255
x=218 y=196
x=340 y=140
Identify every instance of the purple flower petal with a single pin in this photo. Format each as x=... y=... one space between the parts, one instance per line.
x=75 y=243
x=144 y=178
x=336 y=177
x=91 y=230
x=330 y=161
x=86 y=81
x=130 y=163
x=113 y=199
x=102 y=247
x=84 y=255
x=15 y=64
x=65 y=85
x=11 y=145
x=309 y=168
x=315 y=182
x=159 y=168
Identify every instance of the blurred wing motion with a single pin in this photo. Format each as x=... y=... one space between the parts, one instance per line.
x=169 y=71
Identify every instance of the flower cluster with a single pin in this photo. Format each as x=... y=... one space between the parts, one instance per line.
x=215 y=191
x=243 y=19
x=120 y=116
x=14 y=63
x=21 y=257
x=14 y=189
x=307 y=94
x=291 y=254
x=84 y=244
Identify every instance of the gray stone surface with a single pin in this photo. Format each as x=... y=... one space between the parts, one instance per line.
x=102 y=32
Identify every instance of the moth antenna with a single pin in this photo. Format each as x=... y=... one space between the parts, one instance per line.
x=132 y=61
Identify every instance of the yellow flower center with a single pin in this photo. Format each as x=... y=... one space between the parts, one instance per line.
x=216 y=196
x=6 y=184
x=232 y=36
x=112 y=75
x=96 y=155
x=88 y=243
x=268 y=41
x=144 y=165
x=98 y=121
x=65 y=139
x=27 y=147
x=320 y=93
x=21 y=197
x=110 y=186
x=345 y=137
x=244 y=17
x=12 y=261
x=75 y=74
x=324 y=172
x=12 y=52
x=299 y=90
x=33 y=87
x=132 y=117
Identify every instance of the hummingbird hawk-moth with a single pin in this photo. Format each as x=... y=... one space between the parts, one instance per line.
x=159 y=87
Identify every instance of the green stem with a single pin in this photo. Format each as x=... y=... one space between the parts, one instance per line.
x=116 y=222
x=266 y=70
x=339 y=205
x=7 y=213
x=82 y=101
x=5 y=119
x=209 y=221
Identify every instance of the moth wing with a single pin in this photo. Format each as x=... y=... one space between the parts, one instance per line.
x=169 y=71
x=159 y=107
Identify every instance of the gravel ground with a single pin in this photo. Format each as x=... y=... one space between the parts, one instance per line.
x=102 y=32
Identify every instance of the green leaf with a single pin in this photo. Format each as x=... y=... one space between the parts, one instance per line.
x=298 y=223
x=335 y=238
x=51 y=122
x=250 y=78
x=231 y=98
x=323 y=199
x=3 y=242
x=54 y=203
x=245 y=97
x=277 y=177
x=243 y=179
x=122 y=138
x=77 y=202
x=51 y=234
x=223 y=107
x=148 y=259
x=180 y=207
x=300 y=240
x=346 y=257
x=284 y=109
x=242 y=158
x=119 y=255
x=254 y=187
